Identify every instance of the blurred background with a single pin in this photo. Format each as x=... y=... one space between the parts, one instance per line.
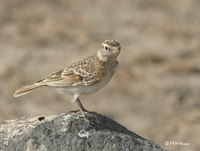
x=156 y=90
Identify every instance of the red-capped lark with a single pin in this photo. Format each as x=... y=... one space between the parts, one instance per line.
x=83 y=77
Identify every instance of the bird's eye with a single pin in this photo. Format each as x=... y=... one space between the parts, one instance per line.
x=106 y=48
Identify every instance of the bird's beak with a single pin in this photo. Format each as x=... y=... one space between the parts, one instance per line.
x=117 y=50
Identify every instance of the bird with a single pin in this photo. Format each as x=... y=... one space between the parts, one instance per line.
x=84 y=77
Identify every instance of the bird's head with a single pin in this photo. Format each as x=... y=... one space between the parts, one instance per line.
x=109 y=51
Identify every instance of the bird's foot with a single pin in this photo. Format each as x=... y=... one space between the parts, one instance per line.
x=83 y=114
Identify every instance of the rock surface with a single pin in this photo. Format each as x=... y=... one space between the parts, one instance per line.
x=70 y=132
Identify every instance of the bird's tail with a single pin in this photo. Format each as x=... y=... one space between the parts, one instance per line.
x=27 y=89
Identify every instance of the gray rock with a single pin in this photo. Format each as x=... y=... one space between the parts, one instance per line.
x=70 y=132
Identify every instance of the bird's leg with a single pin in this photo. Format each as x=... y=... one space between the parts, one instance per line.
x=82 y=109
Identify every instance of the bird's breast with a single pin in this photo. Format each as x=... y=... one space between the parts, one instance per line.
x=104 y=77
x=107 y=75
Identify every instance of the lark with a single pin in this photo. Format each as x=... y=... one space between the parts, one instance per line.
x=83 y=77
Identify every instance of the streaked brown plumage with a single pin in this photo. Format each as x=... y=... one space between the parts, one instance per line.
x=86 y=76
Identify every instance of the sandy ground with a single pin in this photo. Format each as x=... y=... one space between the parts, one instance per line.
x=156 y=90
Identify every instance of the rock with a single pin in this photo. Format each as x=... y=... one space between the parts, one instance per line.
x=70 y=132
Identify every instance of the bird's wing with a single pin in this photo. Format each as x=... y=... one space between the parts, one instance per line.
x=74 y=75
